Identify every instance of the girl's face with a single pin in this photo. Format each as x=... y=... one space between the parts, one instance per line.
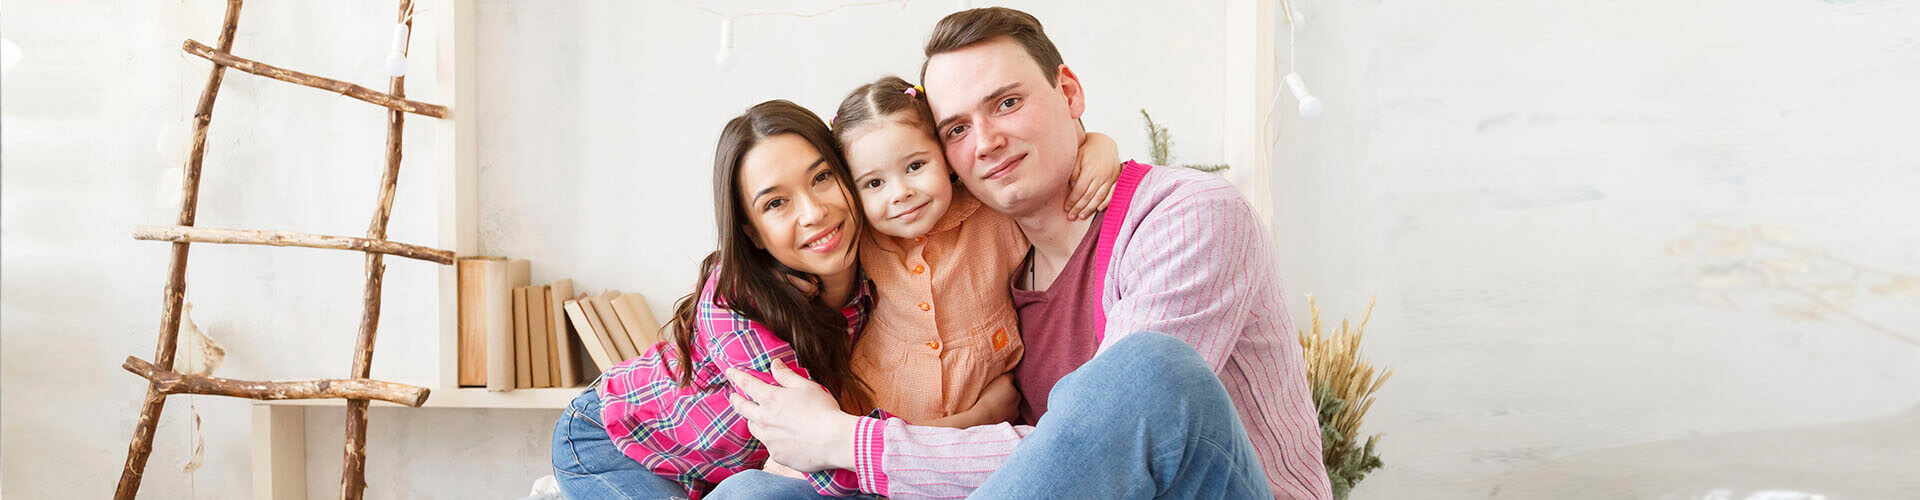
x=796 y=209
x=901 y=177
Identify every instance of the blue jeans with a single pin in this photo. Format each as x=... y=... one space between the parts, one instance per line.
x=589 y=467
x=758 y=484
x=1145 y=419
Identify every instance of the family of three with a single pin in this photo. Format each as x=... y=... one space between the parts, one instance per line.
x=953 y=290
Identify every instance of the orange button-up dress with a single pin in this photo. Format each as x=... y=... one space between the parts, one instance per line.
x=943 y=324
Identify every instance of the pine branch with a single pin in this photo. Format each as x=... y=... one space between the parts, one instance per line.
x=1160 y=147
x=1159 y=142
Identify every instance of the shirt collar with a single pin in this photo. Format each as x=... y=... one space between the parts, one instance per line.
x=964 y=204
x=859 y=305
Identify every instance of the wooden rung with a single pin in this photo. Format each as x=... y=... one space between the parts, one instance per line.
x=289 y=239
x=336 y=86
x=169 y=382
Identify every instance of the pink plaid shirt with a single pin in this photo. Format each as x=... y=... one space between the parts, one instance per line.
x=690 y=434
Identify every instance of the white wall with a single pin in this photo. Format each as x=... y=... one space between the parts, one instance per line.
x=597 y=126
x=596 y=143
x=1510 y=178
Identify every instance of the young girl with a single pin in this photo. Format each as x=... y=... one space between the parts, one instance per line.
x=943 y=329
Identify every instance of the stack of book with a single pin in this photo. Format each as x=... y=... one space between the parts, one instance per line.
x=516 y=335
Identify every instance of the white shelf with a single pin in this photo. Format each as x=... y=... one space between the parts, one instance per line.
x=468 y=397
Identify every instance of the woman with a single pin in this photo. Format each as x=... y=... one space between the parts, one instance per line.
x=784 y=286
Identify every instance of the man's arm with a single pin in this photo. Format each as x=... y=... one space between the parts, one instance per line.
x=1190 y=270
x=1200 y=268
x=803 y=428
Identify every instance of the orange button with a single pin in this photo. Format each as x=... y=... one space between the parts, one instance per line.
x=935 y=345
x=918 y=239
x=919 y=269
x=926 y=307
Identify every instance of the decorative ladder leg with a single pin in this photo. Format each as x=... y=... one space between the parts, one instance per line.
x=353 y=471
x=142 y=445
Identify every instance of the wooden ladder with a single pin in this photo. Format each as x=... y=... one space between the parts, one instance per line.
x=357 y=389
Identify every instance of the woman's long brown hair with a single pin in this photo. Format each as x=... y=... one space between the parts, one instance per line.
x=755 y=284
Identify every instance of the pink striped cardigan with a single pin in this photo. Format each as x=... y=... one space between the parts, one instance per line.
x=1190 y=258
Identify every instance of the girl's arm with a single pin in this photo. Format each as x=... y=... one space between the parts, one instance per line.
x=999 y=402
x=1092 y=180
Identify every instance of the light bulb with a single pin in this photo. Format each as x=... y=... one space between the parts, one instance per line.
x=397 y=59
x=1310 y=106
x=723 y=60
x=396 y=65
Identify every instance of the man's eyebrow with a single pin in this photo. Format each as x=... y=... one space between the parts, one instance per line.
x=810 y=168
x=994 y=96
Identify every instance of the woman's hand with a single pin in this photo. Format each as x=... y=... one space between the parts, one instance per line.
x=999 y=402
x=797 y=420
x=1091 y=182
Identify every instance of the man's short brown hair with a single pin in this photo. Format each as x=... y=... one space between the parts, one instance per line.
x=963 y=29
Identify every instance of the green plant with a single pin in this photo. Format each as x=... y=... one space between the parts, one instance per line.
x=1160 y=146
x=1343 y=387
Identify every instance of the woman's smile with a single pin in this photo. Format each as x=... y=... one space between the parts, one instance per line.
x=825 y=241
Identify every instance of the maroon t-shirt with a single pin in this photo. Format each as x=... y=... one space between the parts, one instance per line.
x=1057 y=325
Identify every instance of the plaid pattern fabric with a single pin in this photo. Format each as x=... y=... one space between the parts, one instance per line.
x=690 y=434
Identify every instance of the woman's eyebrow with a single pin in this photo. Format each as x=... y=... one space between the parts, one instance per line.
x=817 y=163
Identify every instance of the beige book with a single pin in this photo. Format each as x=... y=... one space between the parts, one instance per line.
x=522 y=341
x=471 y=273
x=493 y=280
x=539 y=342
x=569 y=365
x=577 y=313
x=501 y=374
x=638 y=320
x=603 y=307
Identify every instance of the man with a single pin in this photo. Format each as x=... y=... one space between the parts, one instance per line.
x=1120 y=412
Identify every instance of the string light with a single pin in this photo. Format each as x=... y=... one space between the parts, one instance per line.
x=397 y=57
x=1310 y=106
x=724 y=59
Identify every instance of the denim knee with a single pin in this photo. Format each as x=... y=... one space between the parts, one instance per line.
x=751 y=484
x=1151 y=361
x=1141 y=363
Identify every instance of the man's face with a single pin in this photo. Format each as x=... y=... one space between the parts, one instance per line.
x=1009 y=136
